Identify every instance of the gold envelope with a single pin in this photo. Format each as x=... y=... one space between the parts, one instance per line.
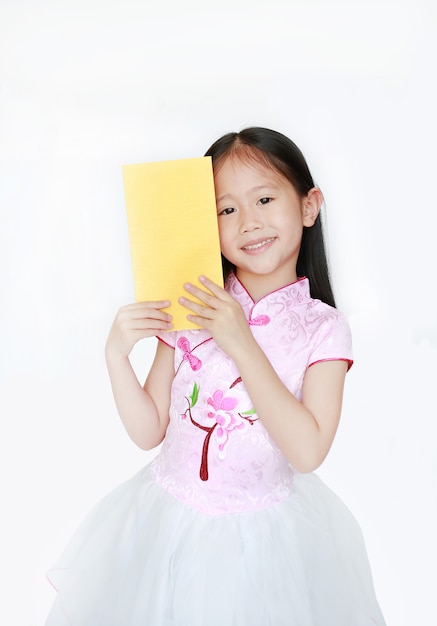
x=173 y=232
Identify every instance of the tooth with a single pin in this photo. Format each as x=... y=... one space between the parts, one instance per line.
x=258 y=245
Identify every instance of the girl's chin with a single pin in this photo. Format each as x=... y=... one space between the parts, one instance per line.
x=281 y=276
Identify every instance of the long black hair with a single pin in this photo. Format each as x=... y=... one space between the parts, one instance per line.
x=280 y=153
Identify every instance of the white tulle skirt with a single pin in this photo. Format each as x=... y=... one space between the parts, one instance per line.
x=143 y=558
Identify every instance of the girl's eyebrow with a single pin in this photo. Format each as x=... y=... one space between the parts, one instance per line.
x=257 y=188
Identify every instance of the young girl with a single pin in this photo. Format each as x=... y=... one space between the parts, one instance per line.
x=229 y=525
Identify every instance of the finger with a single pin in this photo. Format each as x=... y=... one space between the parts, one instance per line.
x=158 y=304
x=201 y=295
x=143 y=310
x=141 y=306
x=128 y=326
x=218 y=291
x=156 y=314
x=200 y=321
x=150 y=329
x=137 y=335
x=196 y=307
x=153 y=323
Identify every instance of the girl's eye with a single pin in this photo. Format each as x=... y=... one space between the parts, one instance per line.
x=227 y=211
x=264 y=200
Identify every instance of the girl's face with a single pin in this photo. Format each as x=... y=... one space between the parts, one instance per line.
x=261 y=219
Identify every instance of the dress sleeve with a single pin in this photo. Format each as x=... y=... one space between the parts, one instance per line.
x=169 y=338
x=334 y=343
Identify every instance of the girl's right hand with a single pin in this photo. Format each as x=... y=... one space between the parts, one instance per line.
x=134 y=322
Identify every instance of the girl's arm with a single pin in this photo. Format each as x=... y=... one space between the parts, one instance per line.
x=144 y=411
x=304 y=430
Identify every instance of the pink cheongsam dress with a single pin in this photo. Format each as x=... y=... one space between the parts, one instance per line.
x=219 y=529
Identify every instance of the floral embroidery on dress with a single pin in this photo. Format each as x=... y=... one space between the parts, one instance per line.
x=225 y=418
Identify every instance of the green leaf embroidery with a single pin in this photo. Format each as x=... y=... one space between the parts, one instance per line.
x=251 y=412
x=195 y=395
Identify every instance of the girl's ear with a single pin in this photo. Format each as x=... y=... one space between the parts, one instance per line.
x=311 y=206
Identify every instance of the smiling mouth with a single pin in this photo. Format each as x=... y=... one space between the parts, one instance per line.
x=260 y=244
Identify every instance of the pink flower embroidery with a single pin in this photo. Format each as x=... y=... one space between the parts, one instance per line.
x=194 y=362
x=226 y=420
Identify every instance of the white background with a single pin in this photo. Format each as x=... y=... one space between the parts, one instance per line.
x=87 y=86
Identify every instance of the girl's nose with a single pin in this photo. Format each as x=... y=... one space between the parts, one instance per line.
x=249 y=222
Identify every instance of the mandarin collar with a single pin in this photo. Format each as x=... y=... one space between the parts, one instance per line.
x=295 y=293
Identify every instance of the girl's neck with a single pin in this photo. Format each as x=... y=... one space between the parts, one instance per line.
x=259 y=285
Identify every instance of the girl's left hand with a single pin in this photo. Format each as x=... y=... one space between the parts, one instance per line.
x=220 y=314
